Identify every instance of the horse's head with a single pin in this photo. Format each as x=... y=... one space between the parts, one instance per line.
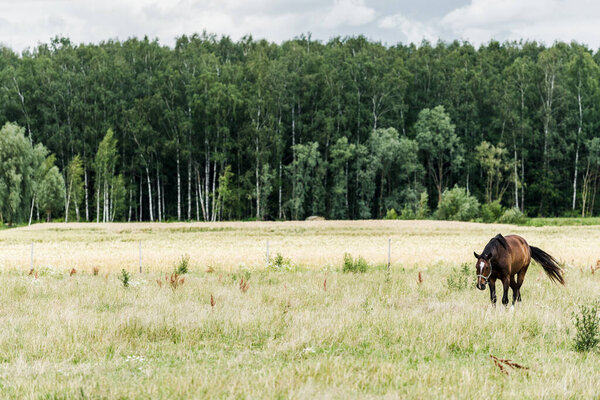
x=483 y=269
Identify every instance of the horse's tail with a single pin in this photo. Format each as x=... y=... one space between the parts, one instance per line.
x=549 y=263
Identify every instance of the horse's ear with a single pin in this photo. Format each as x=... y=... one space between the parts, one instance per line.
x=477 y=256
x=502 y=241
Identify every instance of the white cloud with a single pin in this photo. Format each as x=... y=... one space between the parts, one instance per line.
x=413 y=31
x=25 y=23
x=348 y=12
x=543 y=20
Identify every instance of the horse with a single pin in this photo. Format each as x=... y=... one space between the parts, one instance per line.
x=504 y=258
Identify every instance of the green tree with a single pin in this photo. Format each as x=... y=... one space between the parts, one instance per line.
x=440 y=145
x=495 y=164
x=51 y=192
x=74 y=186
x=16 y=173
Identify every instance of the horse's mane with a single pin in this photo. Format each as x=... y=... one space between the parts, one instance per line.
x=493 y=243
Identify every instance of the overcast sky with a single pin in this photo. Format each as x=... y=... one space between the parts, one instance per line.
x=25 y=23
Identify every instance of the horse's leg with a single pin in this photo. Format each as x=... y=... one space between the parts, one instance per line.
x=520 y=278
x=515 y=289
x=505 y=286
x=492 y=284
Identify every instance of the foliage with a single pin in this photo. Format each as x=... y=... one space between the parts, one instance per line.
x=458 y=205
x=280 y=263
x=512 y=216
x=182 y=266
x=492 y=212
x=51 y=192
x=354 y=265
x=391 y=214
x=212 y=129
x=125 y=277
x=423 y=210
x=439 y=142
x=587 y=326
x=460 y=279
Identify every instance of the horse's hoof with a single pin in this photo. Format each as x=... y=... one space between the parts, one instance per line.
x=512 y=308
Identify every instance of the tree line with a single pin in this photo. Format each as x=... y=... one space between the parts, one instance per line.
x=215 y=129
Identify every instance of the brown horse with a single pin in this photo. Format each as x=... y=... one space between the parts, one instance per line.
x=506 y=257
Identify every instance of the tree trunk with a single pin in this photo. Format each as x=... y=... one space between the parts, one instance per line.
x=189 y=193
x=85 y=177
x=158 y=202
x=149 y=195
x=178 y=185
x=577 y=150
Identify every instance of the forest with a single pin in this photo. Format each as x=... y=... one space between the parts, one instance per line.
x=214 y=129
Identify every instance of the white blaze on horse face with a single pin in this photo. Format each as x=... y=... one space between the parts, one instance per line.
x=481 y=265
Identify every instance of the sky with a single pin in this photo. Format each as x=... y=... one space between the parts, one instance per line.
x=26 y=23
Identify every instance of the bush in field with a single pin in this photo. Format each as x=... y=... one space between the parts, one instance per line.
x=492 y=212
x=354 y=265
x=459 y=278
x=458 y=205
x=423 y=206
x=512 y=216
x=183 y=264
x=407 y=213
x=125 y=277
x=280 y=263
x=391 y=214
x=587 y=326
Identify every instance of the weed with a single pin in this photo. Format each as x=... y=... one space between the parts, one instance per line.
x=419 y=278
x=183 y=264
x=502 y=363
x=174 y=280
x=587 y=325
x=125 y=278
x=210 y=270
x=72 y=272
x=95 y=271
x=212 y=301
x=325 y=284
x=244 y=285
x=280 y=263
x=354 y=265
x=459 y=278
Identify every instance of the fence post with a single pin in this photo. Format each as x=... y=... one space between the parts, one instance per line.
x=31 y=266
x=267 y=258
x=389 y=254
x=140 y=256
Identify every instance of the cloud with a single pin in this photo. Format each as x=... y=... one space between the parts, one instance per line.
x=348 y=12
x=413 y=31
x=542 y=20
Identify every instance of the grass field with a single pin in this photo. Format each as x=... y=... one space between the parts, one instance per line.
x=310 y=332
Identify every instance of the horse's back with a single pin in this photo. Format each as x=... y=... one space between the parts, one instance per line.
x=520 y=251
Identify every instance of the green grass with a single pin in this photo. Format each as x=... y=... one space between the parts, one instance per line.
x=367 y=335
x=566 y=221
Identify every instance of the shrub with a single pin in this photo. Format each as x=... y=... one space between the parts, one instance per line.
x=124 y=278
x=458 y=205
x=391 y=214
x=183 y=264
x=459 y=278
x=280 y=263
x=492 y=212
x=423 y=206
x=407 y=213
x=587 y=325
x=354 y=265
x=512 y=216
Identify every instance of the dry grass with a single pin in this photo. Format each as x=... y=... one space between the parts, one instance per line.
x=227 y=246
x=292 y=334
x=368 y=335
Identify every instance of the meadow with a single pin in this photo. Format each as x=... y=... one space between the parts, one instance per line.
x=302 y=330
